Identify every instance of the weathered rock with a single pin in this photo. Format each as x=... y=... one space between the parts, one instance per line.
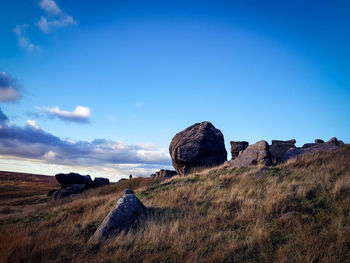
x=68 y=191
x=100 y=181
x=164 y=174
x=333 y=141
x=331 y=145
x=279 y=148
x=237 y=147
x=127 y=212
x=66 y=180
x=200 y=145
x=319 y=141
x=256 y=154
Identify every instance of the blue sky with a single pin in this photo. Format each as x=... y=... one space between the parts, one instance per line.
x=118 y=79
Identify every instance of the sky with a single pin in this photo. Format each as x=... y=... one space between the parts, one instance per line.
x=101 y=87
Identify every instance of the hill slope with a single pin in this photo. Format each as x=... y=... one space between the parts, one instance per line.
x=295 y=212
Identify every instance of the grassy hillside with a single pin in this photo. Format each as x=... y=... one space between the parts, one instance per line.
x=295 y=212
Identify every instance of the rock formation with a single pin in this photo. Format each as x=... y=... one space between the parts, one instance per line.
x=73 y=178
x=74 y=183
x=256 y=154
x=331 y=145
x=200 y=145
x=127 y=212
x=100 y=181
x=279 y=148
x=237 y=147
x=164 y=174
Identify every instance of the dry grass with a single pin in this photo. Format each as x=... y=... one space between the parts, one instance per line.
x=296 y=212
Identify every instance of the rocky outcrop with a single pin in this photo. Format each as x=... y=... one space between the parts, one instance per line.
x=237 y=147
x=331 y=145
x=71 y=190
x=164 y=174
x=200 y=145
x=100 y=181
x=66 y=180
x=279 y=148
x=256 y=154
x=74 y=183
x=128 y=211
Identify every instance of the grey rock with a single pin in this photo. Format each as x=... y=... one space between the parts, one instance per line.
x=164 y=174
x=128 y=211
x=237 y=147
x=256 y=154
x=319 y=141
x=66 y=180
x=100 y=181
x=200 y=145
x=279 y=148
x=68 y=191
x=311 y=148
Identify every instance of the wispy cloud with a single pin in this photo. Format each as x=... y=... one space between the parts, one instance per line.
x=57 y=17
x=9 y=88
x=31 y=142
x=50 y=7
x=22 y=37
x=80 y=114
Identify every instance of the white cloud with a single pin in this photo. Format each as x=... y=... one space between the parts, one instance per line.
x=22 y=37
x=33 y=124
x=50 y=7
x=80 y=114
x=60 y=19
x=63 y=21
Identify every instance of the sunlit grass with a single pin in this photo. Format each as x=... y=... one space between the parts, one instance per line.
x=295 y=212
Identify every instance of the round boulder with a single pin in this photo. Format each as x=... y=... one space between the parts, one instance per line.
x=200 y=145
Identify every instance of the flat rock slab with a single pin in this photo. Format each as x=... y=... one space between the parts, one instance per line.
x=128 y=210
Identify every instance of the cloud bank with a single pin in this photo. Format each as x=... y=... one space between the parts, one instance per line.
x=57 y=17
x=31 y=142
x=80 y=114
x=9 y=88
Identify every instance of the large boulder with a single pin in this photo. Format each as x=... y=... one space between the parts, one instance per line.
x=256 y=154
x=66 y=180
x=127 y=212
x=200 y=145
x=279 y=148
x=237 y=147
x=100 y=181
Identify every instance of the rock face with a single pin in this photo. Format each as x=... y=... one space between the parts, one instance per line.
x=127 y=212
x=256 y=154
x=164 y=174
x=237 y=147
x=279 y=148
x=200 y=145
x=100 y=181
x=73 y=178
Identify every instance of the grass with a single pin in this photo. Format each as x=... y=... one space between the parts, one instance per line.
x=295 y=212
